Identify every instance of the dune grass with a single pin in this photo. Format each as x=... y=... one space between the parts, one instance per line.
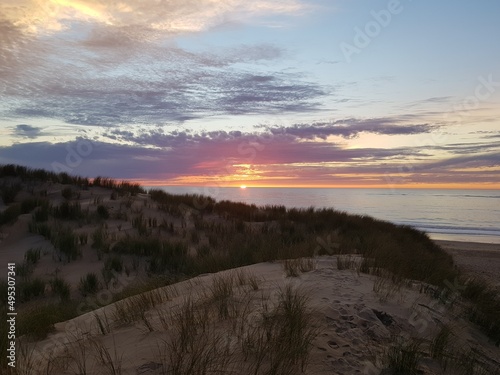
x=281 y=339
x=484 y=306
x=230 y=235
x=221 y=292
x=132 y=309
x=37 y=320
x=294 y=267
x=440 y=343
x=402 y=358
x=277 y=342
x=89 y=284
x=195 y=347
x=109 y=359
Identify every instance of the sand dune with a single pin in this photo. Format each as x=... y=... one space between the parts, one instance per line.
x=356 y=318
x=359 y=312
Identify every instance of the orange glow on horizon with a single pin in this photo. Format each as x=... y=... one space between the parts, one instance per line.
x=275 y=184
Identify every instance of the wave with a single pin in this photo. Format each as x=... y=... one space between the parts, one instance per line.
x=439 y=195
x=450 y=229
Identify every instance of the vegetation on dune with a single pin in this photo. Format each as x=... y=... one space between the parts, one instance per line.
x=24 y=174
x=89 y=284
x=171 y=237
x=37 y=321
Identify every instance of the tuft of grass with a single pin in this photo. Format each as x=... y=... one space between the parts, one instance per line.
x=10 y=214
x=9 y=192
x=347 y=262
x=89 y=284
x=79 y=353
x=365 y=265
x=195 y=346
x=24 y=270
x=133 y=309
x=68 y=211
x=111 y=361
x=403 y=357
x=241 y=277
x=37 y=320
x=102 y=323
x=67 y=193
x=31 y=288
x=114 y=263
x=61 y=288
x=100 y=240
x=66 y=242
x=440 y=344
x=32 y=256
x=282 y=340
x=102 y=212
x=484 y=307
x=253 y=281
x=387 y=286
x=294 y=267
x=221 y=292
x=27 y=363
x=41 y=214
x=43 y=229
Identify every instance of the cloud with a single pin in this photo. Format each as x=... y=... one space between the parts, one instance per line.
x=188 y=94
x=27 y=131
x=352 y=127
x=348 y=128
x=116 y=62
x=491 y=136
x=182 y=157
x=464 y=148
x=465 y=161
x=125 y=75
x=174 y=16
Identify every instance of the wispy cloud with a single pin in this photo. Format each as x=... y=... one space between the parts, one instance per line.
x=194 y=93
x=173 y=16
x=181 y=157
x=350 y=128
x=109 y=63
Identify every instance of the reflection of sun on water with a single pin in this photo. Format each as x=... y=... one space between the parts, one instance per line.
x=243 y=187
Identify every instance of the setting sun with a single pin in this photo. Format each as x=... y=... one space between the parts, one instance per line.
x=243 y=187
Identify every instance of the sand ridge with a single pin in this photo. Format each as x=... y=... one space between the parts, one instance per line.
x=355 y=324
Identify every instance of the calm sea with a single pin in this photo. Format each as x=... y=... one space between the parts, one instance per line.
x=459 y=215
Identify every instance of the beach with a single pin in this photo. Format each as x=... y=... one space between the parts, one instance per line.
x=476 y=259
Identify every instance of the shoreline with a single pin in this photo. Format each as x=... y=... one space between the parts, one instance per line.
x=468 y=245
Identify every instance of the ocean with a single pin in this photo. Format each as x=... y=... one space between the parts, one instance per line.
x=455 y=215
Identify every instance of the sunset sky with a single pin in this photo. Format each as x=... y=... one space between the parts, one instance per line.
x=340 y=93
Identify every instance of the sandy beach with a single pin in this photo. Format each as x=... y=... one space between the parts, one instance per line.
x=477 y=259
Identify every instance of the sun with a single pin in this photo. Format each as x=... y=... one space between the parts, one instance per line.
x=243 y=186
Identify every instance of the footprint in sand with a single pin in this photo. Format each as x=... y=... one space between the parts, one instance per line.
x=332 y=344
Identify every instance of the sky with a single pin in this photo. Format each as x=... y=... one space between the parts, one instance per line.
x=296 y=93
